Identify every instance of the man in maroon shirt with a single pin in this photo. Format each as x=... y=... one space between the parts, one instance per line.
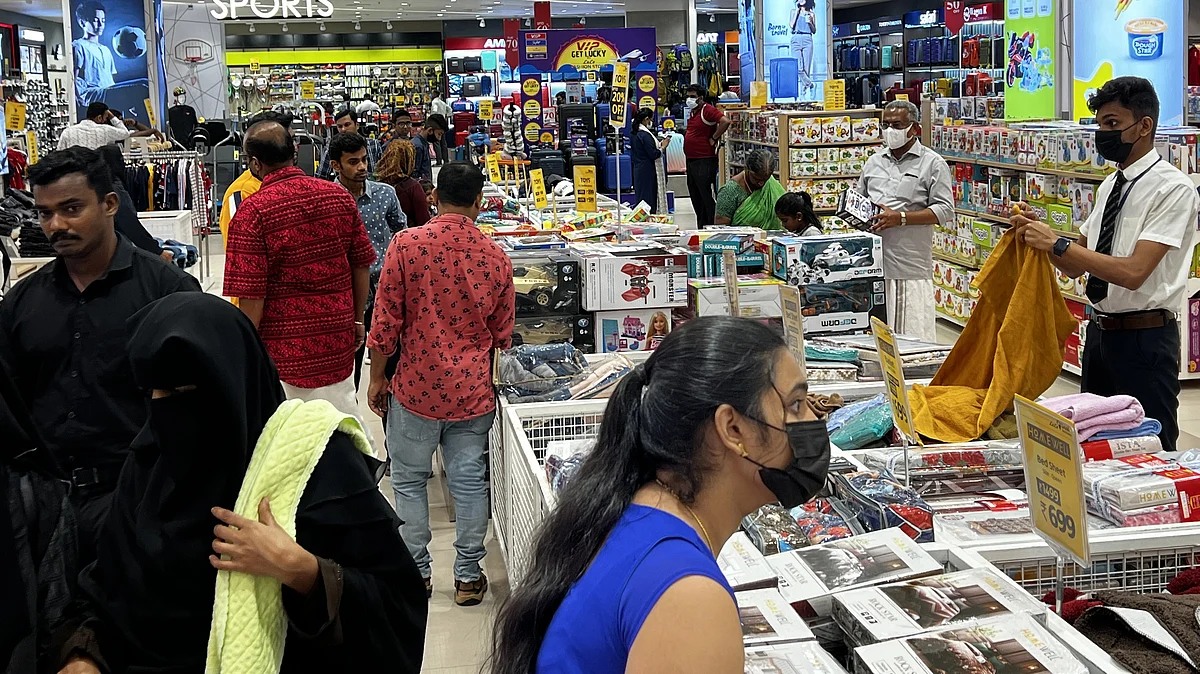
x=298 y=257
x=705 y=127
x=445 y=300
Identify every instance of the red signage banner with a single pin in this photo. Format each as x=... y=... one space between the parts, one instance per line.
x=541 y=15
x=954 y=16
x=512 y=30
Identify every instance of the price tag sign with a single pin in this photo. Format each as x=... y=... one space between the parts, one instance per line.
x=254 y=65
x=585 y=189
x=492 y=160
x=14 y=116
x=538 y=186
x=835 y=94
x=729 y=264
x=150 y=113
x=758 y=94
x=308 y=90
x=1054 y=479
x=793 y=323
x=485 y=110
x=620 y=95
x=893 y=375
x=901 y=97
x=31 y=141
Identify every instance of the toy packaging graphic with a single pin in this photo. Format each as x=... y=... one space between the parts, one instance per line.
x=873 y=614
x=768 y=619
x=1004 y=645
x=546 y=284
x=758 y=296
x=804 y=657
x=631 y=330
x=857 y=209
x=826 y=258
x=578 y=331
x=842 y=306
x=1031 y=36
x=632 y=276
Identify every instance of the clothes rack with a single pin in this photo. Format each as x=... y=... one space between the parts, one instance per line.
x=175 y=180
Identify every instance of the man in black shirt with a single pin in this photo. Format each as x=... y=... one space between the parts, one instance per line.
x=63 y=335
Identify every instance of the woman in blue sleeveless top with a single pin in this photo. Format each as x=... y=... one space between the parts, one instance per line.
x=623 y=577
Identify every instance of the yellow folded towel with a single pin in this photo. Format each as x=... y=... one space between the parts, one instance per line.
x=1012 y=344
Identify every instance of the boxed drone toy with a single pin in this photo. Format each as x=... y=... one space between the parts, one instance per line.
x=545 y=283
x=800 y=260
x=633 y=275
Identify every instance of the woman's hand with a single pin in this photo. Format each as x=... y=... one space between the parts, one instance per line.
x=79 y=665
x=262 y=548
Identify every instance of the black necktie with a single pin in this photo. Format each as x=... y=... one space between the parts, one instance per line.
x=1097 y=288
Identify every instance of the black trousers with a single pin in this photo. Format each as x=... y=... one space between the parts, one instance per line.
x=92 y=504
x=702 y=188
x=362 y=350
x=1139 y=363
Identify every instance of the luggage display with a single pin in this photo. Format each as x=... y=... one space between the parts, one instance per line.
x=471 y=87
x=610 y=173
x=785 y=78
x=551 y=165
x=463 y=121
x=454 y=65
x=473 y=64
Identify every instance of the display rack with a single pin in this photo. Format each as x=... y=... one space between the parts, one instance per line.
x=199 y=206
x=399 y=84
x=47 y=111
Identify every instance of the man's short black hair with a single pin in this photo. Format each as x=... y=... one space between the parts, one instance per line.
x=693 y=87
x=1133 y=93
x=96 y=109
x=87 y=10
x=459 y=183
x=346 y=142
x=345 y=112
x=401 y=113
x=271 y=149
x=437 y=121
x=59 y=164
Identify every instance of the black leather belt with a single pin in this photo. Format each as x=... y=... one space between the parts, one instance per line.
x=82 y=478
x=1134 y=320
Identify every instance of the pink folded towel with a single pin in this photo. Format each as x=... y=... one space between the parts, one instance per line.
x=1122 y=420
x=1081 y=406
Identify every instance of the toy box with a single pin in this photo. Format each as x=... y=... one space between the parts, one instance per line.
x=758 y=296
x=866 y=128
x=546 y=284
x=857 y=209
x=631 y=330
x=842 y=306
x=632 y=275
x=751 y=262
x=1083 y=201
x=826 y=258
x=577 y=330
x=836 y=129
x=1059 y=217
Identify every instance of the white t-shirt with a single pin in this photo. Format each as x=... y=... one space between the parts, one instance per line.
x=94 y=63
x=1160 y=207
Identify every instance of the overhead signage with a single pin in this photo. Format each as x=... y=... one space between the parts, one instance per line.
x=1031 y=30
x=708 y=38
x=893 y=375
x=887 y=24
x=986 y=12
x=474 y=43
x=31 y=35
x=927 y=18
x=1054 y=480
x=531 y=107
x=954 y=16
x=272 y=9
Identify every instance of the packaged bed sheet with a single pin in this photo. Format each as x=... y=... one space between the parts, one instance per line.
x=744 y=566
x=1142 y=489
x=768 y=619
x=798 y=658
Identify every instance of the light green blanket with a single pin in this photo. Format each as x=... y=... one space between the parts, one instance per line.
x=758 y=210
x=249 y=624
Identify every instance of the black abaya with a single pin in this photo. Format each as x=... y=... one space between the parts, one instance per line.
x=151 y=589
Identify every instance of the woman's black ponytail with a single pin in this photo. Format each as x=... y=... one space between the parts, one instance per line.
x=655 y=421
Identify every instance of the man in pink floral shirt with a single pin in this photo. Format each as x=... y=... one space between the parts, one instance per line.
x=445 y=300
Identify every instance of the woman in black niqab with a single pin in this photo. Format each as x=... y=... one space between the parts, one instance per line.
x=151 y=589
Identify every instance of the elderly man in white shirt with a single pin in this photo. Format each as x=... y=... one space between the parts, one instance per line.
x=1137 y=248
x=913 y=185
x=98 y=129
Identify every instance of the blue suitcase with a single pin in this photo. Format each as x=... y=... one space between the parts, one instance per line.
x=610 y=173
x=785 y=78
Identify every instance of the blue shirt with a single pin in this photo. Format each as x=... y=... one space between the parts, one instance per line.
x=374 y=152
x=381 y=213
x=647 y=552
x=422 y=164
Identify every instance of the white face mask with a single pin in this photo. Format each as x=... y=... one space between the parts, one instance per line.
x=896 y=138
x=691 y=103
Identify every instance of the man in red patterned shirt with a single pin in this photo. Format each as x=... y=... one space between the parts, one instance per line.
x=445 y=299
x=298 y=257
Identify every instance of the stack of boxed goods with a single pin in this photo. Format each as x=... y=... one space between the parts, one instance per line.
x=1074 y=292
x=970 y=109
x=546 y=279
x=827 y=172
x=840 y=277
x=958 y=254
x=632 y=287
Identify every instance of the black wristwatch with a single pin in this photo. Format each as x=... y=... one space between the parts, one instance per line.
x=1060 y=246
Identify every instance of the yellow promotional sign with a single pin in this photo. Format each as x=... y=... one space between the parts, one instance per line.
x=646 y=83
x=1054 y=480
x=531 y=86
x=538 y=186
x=547 y=137
x=485 y=110
x=308 y=90
x=620 y=93
x=793 y=323
x=901 y=97
x=150 y=113
x=585 y=189
x=647 y=102
x=835 y=94
x=492 y=160
x=533 y=131
x=14 y=116
x=254 y=65
x=31 y=141
x=669 y=124
x=587 y=53
x=758 y=94
x=893 y=375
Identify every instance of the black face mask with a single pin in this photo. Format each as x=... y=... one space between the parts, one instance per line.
x=805 y=475
x=1112 y=146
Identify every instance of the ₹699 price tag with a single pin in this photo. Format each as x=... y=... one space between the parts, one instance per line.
x=1054 y=480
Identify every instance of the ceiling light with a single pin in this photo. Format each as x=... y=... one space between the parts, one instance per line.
x=389 y=25
x=404 y=4
x=251 y=28
x=357 y=26
x=322 y=26
x=285 y=29
x=440 y=14
x=583 y=20
x=482 y=23
x=528 y=23
x=712 y=18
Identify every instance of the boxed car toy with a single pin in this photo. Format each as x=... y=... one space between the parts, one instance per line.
x=826 y=258
x=546 y=283
x=843 y=306
x=632 y=275
x=576 y=330
x=631 y=330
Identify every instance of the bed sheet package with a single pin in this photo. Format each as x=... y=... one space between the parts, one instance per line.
x=744 y=566
x=1002 y=644
x=984 y=501
x=805 y=657
x=809 y=577
x=768 y=619
x=772 y=529
x=823 y=520
x=873 y=614
x=959 y=458
x=919 y=360
x=994 y=527
x=831 y=372
x=1142 y=489
x=886 y=503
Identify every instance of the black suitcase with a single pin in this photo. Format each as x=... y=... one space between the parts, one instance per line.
x=454 y=65
x=551 y=166
x=473 y=64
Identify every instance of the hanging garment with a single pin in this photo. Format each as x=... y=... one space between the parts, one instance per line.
x=1013 y=344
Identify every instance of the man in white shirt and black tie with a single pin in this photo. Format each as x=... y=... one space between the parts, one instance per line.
x=1136 y=247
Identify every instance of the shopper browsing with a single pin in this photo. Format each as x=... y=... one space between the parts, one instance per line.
x=298 y=259
x=395 y=169
x=445 y=302
x=347 y=122
x=346 y=592
x=646 y=160
x=912 y=184
x=1137 y=248
x=749 y=197
x=623 y=576
x=705 y=128
x=796 y=214
x=435 y=129
x=62 y=330
x=100 y=127
x=378 y=207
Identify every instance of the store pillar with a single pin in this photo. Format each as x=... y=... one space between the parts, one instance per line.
x=692 y=30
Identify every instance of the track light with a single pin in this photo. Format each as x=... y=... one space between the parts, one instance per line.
x=285 y=28
x=583 y=20
x=528 y=23
x=389 y=25
x=712 y=18
x=357 y=26
x=322 y=26
x=251 y=28
x=482 y=23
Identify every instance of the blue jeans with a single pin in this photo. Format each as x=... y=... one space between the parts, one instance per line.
x=411 y=442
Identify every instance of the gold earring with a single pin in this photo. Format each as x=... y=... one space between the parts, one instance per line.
x=742 y=449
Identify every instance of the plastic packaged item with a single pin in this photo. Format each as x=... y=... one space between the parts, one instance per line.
x=744 y=565
x=865 y=426
x=886 y=503
x=767 y=619
x=824 y=520
x=799 y=658
x=772 y=530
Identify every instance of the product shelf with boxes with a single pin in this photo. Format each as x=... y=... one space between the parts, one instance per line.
x=826 y=152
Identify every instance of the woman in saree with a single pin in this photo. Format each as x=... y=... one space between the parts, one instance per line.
x=749 y=197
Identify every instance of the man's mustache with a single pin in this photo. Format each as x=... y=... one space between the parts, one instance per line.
x=63 y=236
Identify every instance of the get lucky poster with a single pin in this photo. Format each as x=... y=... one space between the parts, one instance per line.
x=1031 y=37
x=796 y=48
x=1143 y=38
x=584 y=50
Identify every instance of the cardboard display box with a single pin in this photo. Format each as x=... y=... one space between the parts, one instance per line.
x=843 y=306
x=631 y=330
x=758 y=297
x=632 y=276
x=578 y=330
x=546 y=284
x=801 y=260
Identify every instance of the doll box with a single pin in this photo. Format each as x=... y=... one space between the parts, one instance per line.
x=631 y=330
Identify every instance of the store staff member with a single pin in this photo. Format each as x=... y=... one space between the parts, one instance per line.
x=1137 y=248
x=63 y=335
x=912 y=184
x=705 y=127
